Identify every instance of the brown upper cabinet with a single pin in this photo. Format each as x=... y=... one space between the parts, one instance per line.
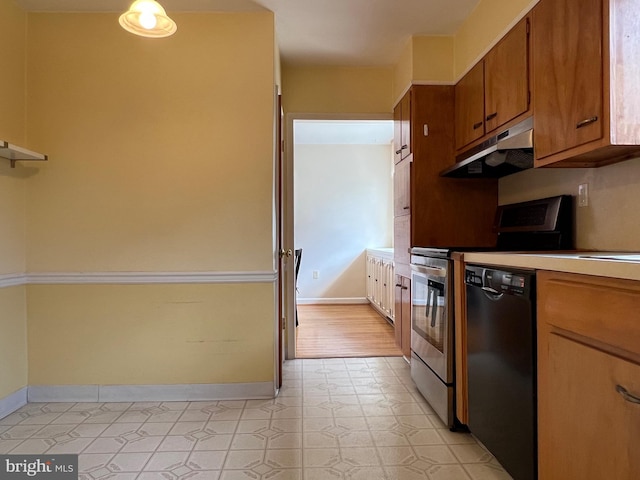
x=496 y=90
x=586 y=103
x=402 y=128
x=469 y=107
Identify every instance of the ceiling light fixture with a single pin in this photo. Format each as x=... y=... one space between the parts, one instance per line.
x=147 y=18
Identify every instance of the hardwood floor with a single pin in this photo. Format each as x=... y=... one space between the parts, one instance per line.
x=328 y=331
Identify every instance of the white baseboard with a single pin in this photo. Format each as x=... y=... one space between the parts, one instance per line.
x=13 y=402
x=332 y=301
x=151 y=393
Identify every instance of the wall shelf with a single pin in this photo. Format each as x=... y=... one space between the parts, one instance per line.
x=15 y=153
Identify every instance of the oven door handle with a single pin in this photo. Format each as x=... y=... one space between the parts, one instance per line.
x=434 y=271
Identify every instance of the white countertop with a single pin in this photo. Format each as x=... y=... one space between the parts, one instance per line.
x=385 y=252
x=570 y=262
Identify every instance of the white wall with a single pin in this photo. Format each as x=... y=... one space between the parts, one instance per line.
x=611 y=221
x=343 y=205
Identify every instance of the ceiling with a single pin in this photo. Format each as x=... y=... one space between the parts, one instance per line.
x=318 y=32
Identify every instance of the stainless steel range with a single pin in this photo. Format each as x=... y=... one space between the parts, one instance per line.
x=545 y=224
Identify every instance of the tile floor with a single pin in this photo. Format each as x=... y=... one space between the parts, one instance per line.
x=334 y=419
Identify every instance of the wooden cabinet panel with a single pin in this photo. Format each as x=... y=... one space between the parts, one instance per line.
x=401 y=240
x=403 y=314
x=397 y=133
x=469 y=106
x=406 y=123
x=402 y=128
x=604 y=310
x=506 y=78
x=586 y=58
x=588 y=431
x=405 y=307
x=397 y=322
x=588 y=373
x=460 y=328
x=568 y=74
x=402 y=188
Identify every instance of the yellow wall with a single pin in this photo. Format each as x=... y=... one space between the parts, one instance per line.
x=161 y=150
x=403 y=72
x=341 y=90
x=13 y=340
x=161 y=160
x=13 y=345
x=150 y=334
x=488 y=22
x=433 y=59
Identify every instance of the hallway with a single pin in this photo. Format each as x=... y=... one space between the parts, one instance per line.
x=330 y=331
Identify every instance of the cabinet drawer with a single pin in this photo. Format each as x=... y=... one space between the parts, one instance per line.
x=607 y=310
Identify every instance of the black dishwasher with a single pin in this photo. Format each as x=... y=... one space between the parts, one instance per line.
x=501 y=359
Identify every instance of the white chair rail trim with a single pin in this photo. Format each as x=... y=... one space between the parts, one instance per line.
x=50 y=278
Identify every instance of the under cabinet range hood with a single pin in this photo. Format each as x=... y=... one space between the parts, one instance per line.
x=510 y=151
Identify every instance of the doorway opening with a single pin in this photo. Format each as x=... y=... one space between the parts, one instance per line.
x=341 y=179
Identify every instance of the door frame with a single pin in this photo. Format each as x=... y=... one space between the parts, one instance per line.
x=287 y=213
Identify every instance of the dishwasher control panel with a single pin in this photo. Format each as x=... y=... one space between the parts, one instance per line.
x=497 y=281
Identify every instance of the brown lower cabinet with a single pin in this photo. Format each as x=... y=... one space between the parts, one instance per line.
x=588 y=377
x=403 y=314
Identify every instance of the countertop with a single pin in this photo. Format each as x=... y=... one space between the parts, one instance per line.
x=570 y=262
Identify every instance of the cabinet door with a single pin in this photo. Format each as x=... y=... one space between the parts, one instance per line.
x=567 y=74
x=401 y=241
x=588 y=430
x=402 y=188
x=469 y=106
x=397 y=132
x=406 y=125
x=506 y=78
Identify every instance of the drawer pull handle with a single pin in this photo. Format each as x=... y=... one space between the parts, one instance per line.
x=406 y=208
x=626 y=395
x=404 y=147
x=477 y=125
x=492 y=116
x=586 y=122
x=398 y=152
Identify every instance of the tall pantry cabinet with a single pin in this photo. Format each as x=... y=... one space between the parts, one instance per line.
x=429 y=210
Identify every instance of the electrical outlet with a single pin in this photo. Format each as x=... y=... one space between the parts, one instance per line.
x=583 y=195
x=316 y=274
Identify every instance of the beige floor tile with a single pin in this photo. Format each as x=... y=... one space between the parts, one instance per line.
x=106 y=445
x=471 y=453
x=397 y=455
x=221 y=426
x=128 y=462
x=33 y=446
x=214 y=442
x=88 y=462
x=177 y=443
x=356 y=418
x=206 y=460
x=435 y=454
x=486 y=471
x=285 y=441
x=142 y=444
x=20 y=432
x=75 y=445
x=166 y=461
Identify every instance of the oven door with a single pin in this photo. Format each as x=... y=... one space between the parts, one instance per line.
x=431 y=316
